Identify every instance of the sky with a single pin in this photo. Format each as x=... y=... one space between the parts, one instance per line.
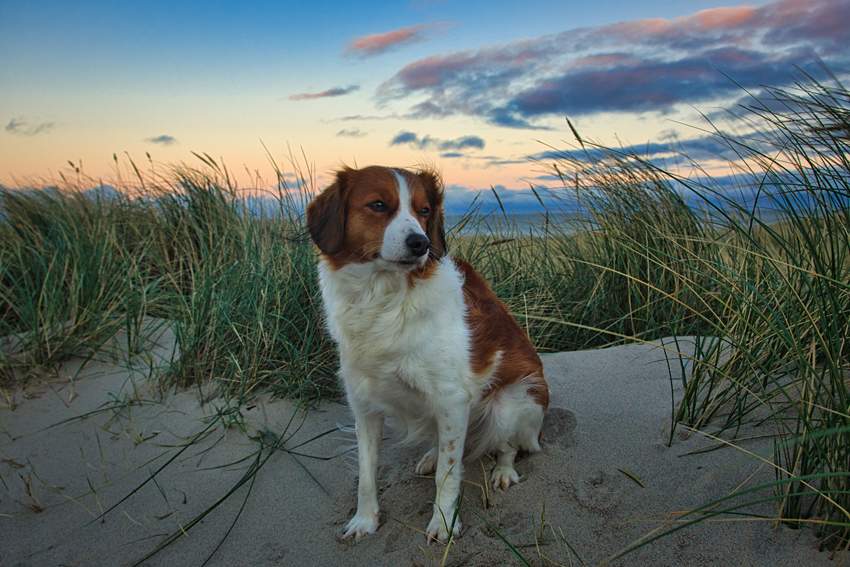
x=474 y=88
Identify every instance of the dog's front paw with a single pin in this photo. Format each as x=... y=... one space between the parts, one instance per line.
x=504 y=476
x=438 y=528
x=360 y=525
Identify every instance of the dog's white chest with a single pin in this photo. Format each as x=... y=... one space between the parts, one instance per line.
x=388 y=331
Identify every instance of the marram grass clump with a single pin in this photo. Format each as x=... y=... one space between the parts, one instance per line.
x=758 y=271
x=227 y=269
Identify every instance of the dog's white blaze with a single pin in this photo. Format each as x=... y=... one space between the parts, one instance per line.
x=403 y=224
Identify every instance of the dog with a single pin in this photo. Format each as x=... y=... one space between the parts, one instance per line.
x=422 y=339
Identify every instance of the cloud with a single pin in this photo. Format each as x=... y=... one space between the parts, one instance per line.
x=353 y=133
x=376 y=44
x=450 y=147
x=405 y=138
x=336 y=91
x=637 y=66
x=668 y=154
x=22 y=127
x=464 y=142
x=362 y=117
x=164 y=140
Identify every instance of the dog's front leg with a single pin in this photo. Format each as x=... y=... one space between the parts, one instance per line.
x=452 y=425
x=369 y=429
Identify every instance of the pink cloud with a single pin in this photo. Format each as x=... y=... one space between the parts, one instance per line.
x=432 y=70
x=375 y=44
x=642 y=64
x=723 y=18
x=605 y=60
x=486 y=63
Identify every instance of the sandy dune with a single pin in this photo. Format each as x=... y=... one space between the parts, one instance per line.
x=103 y=470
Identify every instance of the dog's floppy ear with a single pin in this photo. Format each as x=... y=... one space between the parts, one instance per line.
x=326 y=215
x=435 y=227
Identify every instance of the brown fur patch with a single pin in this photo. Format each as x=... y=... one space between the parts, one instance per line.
x=494 y=329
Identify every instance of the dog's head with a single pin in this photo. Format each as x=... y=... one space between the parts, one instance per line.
x=392 y=217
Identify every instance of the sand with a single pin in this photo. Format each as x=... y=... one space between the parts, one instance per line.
x=102 y=469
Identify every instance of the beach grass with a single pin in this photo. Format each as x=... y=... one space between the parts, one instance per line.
x=756 y=269
x=235 y=279
x=758 y=273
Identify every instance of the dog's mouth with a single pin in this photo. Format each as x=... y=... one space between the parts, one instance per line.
x=408 y=264
x=404 y=264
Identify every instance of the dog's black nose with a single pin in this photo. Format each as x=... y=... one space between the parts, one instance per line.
x=418 y=244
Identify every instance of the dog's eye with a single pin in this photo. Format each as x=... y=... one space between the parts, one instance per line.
x=378 y=206
x=425 y=212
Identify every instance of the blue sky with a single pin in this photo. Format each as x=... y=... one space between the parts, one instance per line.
x=473 y=87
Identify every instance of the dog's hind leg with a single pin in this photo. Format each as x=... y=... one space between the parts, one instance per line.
x=504 y=474
x=428 y=463
x=516 y=425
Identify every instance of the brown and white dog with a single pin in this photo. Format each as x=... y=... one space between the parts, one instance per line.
x=422 y=338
